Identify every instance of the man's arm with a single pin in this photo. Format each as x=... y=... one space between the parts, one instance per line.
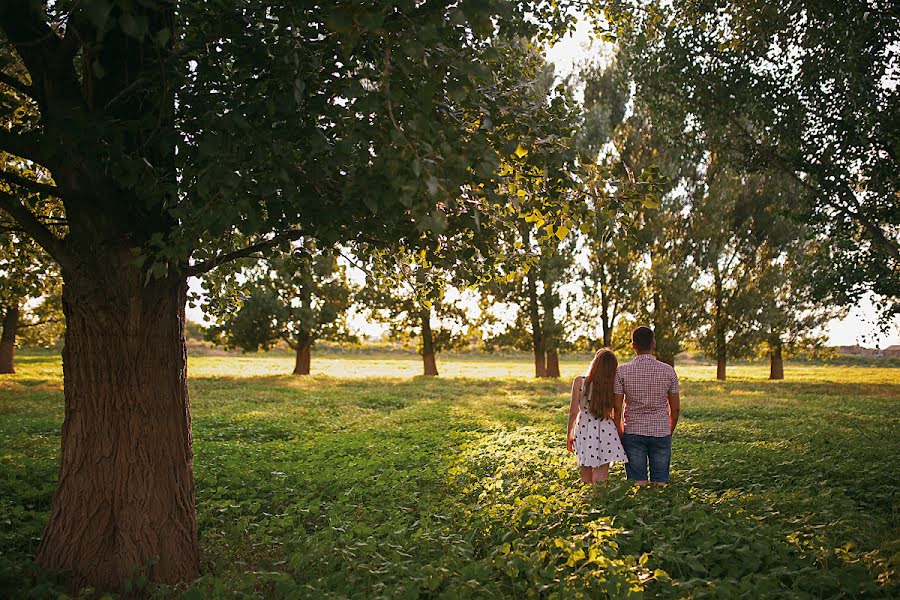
x=674 y=410
x=618 y=402
x=573 y=414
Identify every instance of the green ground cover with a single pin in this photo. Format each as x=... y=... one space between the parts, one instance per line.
x=370 y=483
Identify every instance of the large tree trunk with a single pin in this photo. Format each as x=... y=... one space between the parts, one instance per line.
x=552 y=369
x=8 y=339
x=125 y=496
x=719 y=324
x=126 y=489
x=776 y=364
x=304 y=354
x=428 y=361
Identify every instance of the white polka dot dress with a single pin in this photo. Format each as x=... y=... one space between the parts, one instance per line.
x=596 y=440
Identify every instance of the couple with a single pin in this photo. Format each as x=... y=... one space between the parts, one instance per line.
x=649 y=391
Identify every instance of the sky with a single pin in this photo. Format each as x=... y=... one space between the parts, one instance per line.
x=858 y=327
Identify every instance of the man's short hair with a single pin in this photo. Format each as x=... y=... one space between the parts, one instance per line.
x=642 y=338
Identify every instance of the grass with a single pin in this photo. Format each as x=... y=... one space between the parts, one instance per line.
x=369 y=482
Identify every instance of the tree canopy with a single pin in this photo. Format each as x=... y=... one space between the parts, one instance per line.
x=808 y=89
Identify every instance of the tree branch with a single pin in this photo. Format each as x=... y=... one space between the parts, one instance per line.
x=31 y=185
x=24 y=145
x=55 y=84
x=38 y=324
x=19 y=86
x=33 y=227
x=876 y=233
x=212 y=263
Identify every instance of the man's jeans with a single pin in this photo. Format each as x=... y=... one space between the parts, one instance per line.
x=644 y=449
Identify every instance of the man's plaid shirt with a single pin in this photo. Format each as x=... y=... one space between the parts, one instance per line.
x=646 y=383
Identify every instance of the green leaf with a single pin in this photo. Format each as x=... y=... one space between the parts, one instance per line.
x=135 y=26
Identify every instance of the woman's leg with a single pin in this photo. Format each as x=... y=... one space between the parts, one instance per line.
x=599 y=475
x=586 y=475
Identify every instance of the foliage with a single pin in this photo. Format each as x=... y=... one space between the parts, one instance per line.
x=723 y=247
x=405 y=297
x=29 y=279
x=293 y=297
x=377 y=486
x=666 y=299
x=807 y=89
x=44 y=323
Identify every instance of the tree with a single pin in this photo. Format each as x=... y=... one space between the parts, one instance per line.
x=657 y=233
x=611 y=255
x=29 y=286
x=801 y=88
x=723 y=244
x=791 y=316
x=609 y=283
x=414 y=303
x=790 y=312
x=533 y=293
x=291 y=121
x=554 y=270
x=293 y=297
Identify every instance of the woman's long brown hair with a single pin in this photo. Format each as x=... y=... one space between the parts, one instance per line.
x=599 y=384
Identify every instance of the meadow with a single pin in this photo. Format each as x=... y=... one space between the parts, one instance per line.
x=373 y=482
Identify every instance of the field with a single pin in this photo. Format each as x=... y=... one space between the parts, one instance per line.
x=371 y=482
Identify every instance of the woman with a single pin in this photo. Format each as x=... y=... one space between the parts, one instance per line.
x=592 y=432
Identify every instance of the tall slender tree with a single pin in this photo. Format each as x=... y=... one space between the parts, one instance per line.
x=723 y=247
x=802 y=88
x=790 y=310
x=417 y=307
x=294 y=297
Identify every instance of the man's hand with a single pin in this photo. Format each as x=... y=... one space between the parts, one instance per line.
x=570 y=443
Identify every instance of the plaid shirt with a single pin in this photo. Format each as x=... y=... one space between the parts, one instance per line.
x=646 y=383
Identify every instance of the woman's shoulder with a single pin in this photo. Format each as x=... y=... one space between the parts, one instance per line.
x=577 y=383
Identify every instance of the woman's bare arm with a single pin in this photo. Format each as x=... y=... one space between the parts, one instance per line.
x=573 y=414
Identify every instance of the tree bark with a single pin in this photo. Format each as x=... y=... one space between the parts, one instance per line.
x=776 y=363
x=552 y=368
x=719 y=324
x=607 y=333
x=604 y=309
x=125 y=495
x=124 y=502
x=8 y=339
x=304 y=354
x=428 y=360
x=537 y=338
x=303 y=359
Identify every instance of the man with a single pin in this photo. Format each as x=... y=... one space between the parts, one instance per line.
x=649 y=388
